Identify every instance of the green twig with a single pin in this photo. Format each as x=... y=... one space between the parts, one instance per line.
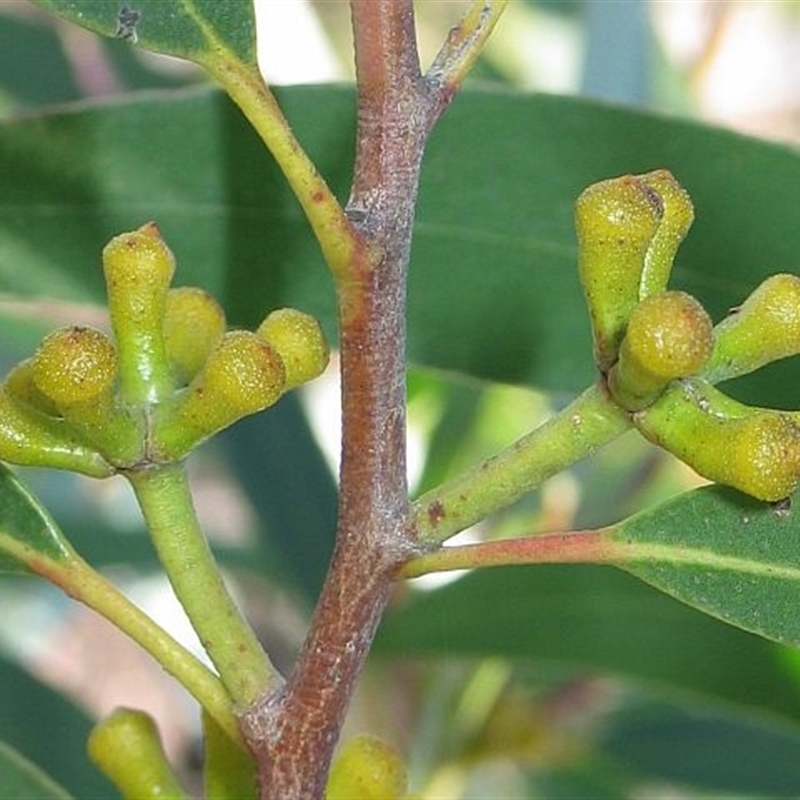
x=465 y=43
x=581 y=428
x=166 y=502
x=247 y=89
x=84 y=584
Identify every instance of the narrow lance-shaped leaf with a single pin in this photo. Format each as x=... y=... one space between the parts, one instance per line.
x=200 y=30
x=723 y=553
x=598 y=618
x=27 y=533
x=494 y=239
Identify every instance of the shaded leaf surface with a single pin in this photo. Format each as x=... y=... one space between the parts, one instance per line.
x=280 y=467
x=706 y=748
x=494 y=242
x=591 y=615
x=21 y=780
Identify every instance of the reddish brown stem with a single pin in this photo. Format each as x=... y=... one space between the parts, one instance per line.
x=571 y=547
x=293 y=732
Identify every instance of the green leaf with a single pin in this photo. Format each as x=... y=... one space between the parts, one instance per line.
x=199 y=30
x=494 y=242
x=44 y=75
x=705 y=747
x=280 y=467
x=21 y=780
x=27 y=533
x=724 y=553
x=686 y=748
x=596 y=617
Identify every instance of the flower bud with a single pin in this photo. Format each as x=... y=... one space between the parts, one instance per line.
x=669 y=336
x=243 y=375
x=193 y=324
x=126 y=747
x=76 y=370
x=677 y=218
x=299 y=341
x=138 y=268
x=369 y=769
x=616 y=221
x=756 y=451
x=765 y=328
x=74 y=366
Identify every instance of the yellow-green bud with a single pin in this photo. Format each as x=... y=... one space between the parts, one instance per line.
x=765 y=328
x=669 y=336
x=242 y=375
x=754 y=450
x=616 y=221
x=368 y=769
x=138 y=268
x=299 y=341
x=193 y=323
x=74 y=366
x=126 y=747
x=677 y=218
x=76 y=369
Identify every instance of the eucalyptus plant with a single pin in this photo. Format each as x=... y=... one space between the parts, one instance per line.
x=173 y=372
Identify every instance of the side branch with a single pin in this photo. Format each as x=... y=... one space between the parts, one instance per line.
x=247 y=89
x=578 y=430
x=575 y=547
x=464 y=44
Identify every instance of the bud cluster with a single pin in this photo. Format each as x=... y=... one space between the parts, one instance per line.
x=170 y=377
x=659 y=352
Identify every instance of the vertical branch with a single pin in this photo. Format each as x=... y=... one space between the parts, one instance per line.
x=293 y=732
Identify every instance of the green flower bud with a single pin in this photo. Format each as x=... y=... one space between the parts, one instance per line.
x=677 y=218
x=765 y=328
x=193 y=324
x=31 y=438
x=76 y=370
x=75 y=366
x=616 y=221
x=299 y=341
x=243 y=375
x=368 y=769
x=669 y=336
x=138 y=268
x=756 y=451
x=126 y=747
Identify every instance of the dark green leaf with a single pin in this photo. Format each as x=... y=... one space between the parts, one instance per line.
x=21 y=780
x=730 y=556
x=27 y=532
x=494 y=239
x=703 y=747
x=596 y=617
x=280 y=467
x=193 y=29
x=44 y=74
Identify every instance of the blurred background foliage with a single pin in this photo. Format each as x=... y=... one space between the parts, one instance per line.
x=543 y=682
